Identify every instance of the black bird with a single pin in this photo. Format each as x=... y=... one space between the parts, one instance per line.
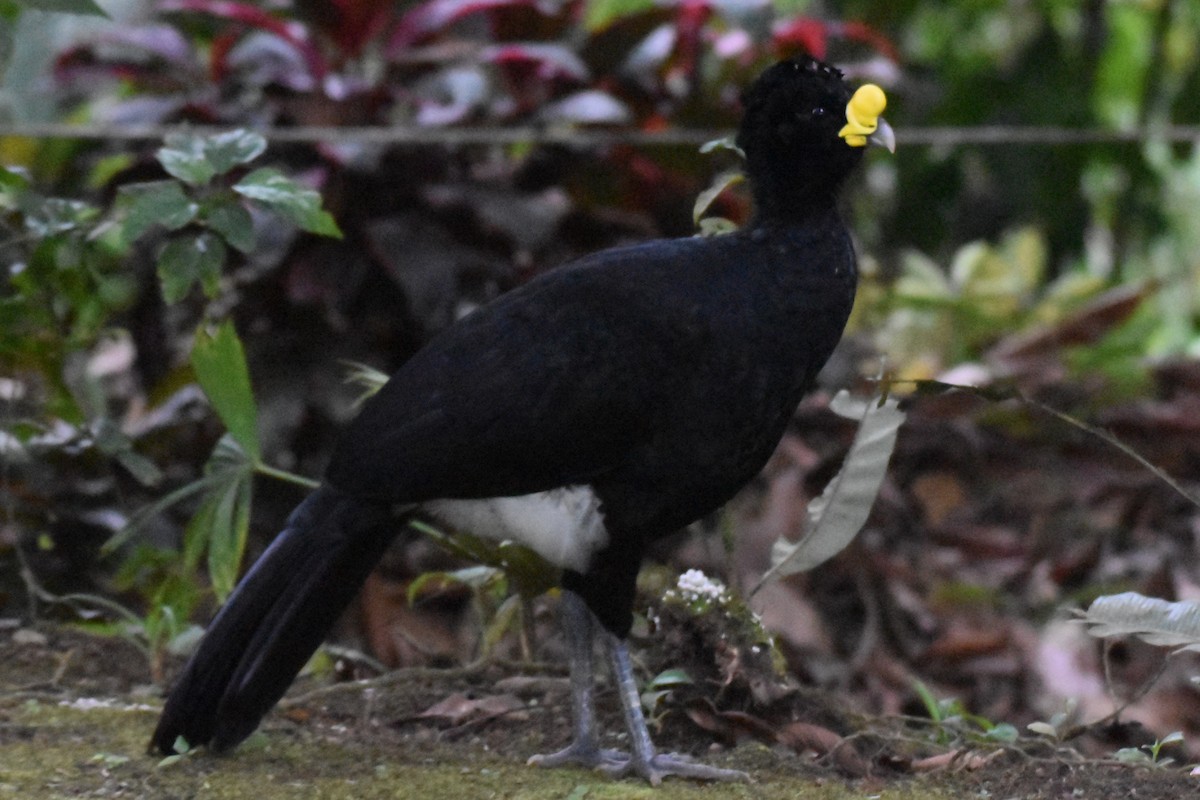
x=602 y=405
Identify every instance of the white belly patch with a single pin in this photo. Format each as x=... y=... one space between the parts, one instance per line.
x=564 y=526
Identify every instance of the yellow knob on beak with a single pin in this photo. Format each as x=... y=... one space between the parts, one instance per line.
x=863 y=122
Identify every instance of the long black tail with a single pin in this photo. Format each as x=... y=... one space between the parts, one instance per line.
x=274 y=620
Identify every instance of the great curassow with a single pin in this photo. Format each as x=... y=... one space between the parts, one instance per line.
x=598 y=407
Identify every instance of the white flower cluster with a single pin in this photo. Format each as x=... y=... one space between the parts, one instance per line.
x=695 y=585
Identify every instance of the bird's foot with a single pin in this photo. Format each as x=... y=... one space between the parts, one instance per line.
x=661 y=765
x=583 y=755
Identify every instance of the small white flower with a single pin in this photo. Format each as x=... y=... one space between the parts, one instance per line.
x=695 y=585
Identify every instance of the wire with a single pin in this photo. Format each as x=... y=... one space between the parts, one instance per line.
x=986 y=135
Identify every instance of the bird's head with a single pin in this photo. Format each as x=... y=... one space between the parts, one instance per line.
x=803 y=131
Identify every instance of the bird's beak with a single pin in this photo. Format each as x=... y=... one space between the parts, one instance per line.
x=883 y=136
x=864 y=125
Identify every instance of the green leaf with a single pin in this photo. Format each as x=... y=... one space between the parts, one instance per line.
x=220 y=365
x=187 y=259
x=12 y=180
x=531 y=575
x=230 y=523
x=230 y=149
x=506 y=618
x=670 y=679
x=1003 y=732
x=233 y=222
x=147 y=513
x=113 y=442
x=283 y=196
x=107 y=168
x=183 y=156
x=600 y=14
x=65 y=6
x=222 y=521
x=157 y=203
x=46 y=217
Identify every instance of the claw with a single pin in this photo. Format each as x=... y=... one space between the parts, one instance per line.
x=663 y=764
x=588 y=756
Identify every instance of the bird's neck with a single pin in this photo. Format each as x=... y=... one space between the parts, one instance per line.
x=773 y=216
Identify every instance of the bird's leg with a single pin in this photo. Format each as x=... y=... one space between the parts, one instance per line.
x=580 y=628
x=644 y=760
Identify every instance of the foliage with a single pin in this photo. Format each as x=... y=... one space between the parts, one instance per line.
x=954 y=722
x=1150 y=753
x=64 y=297
x=506 y=579
x=968 y=248
x=1156 y=622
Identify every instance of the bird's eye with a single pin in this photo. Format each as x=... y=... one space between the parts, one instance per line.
x=818 y=112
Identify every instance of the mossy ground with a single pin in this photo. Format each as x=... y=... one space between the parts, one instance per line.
x=76 y=713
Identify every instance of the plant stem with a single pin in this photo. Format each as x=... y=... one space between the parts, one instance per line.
x=284 y=475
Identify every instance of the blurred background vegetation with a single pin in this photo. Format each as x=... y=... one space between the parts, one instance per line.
x=1037 y=226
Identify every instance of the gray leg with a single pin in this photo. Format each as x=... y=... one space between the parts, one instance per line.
x=580 y=628
x=645 y=761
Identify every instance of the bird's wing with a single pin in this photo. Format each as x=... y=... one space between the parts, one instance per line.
x=550 y=385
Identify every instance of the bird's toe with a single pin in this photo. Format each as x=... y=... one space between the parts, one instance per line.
x=588 y=756
x=680 y=766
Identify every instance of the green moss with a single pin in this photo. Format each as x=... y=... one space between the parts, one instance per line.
x=48 y=750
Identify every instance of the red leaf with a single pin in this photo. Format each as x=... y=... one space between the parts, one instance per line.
x=290 y=31
x=434 y=16
x=810 y=35
x=353 y=23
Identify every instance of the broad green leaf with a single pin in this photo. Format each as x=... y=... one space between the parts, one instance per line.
x=220 y=365
x=158 y=203
x=283 y=196
x=187 y=259
x=65 y=6
x=233 y=222
x=230 y=149
x=183 y=156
